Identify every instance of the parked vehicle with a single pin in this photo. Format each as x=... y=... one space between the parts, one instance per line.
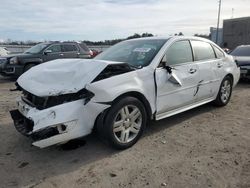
x=242 y=56
x=95 y=52
x=121 y=89
x=3 y=51
x=15 y=65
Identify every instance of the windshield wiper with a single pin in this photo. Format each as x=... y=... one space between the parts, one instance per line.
x=135 y=67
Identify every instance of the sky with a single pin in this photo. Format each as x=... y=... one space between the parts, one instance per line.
x=111 y=19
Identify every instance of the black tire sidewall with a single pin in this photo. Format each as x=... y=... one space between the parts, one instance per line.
x=218 y=100
x=109 y=120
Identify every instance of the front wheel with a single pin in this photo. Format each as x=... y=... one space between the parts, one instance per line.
x=124 y=123
x=225 y=92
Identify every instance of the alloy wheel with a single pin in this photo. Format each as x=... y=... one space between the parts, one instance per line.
x=127 y=124
x=225 y=91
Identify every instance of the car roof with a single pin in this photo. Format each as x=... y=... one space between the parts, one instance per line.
x=173 y=38
x=60 y=42
x=243 y=46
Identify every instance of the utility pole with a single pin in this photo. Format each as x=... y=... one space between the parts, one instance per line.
x=218 y=22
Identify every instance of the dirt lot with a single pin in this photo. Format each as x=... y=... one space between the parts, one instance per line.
x=204 y=147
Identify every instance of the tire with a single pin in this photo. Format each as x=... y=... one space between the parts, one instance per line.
x=225 y=92
x=27 y=67
x=124 y=123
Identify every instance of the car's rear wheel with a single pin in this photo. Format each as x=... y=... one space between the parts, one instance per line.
x=225 y=92
x=124 y=123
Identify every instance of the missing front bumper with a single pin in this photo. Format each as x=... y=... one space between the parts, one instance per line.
x=22 y=124
x=25 y=127
x=58 y=124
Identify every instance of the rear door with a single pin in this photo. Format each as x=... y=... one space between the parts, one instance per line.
x=55 y=52
x=177 y=89
x=70 y=51
x=205 y=58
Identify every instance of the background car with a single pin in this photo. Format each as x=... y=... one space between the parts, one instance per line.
x=3 y=51
x=95 y=52
x=15 y=65
x=242 y=57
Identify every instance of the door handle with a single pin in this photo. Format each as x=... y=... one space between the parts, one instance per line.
x=192 y=71
x=219 y=65
x=61 y=54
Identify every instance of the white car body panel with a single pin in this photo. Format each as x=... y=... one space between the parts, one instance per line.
x=62 y=79
x=141 y=81
x=167 y=94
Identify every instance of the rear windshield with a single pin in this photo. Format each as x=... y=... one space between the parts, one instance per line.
x=241 y=51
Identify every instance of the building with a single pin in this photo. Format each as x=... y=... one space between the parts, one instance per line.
x=236 y=32
x=213 y=33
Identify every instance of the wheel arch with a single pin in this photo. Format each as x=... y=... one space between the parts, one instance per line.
x=138 y=96
x=30 y=63
x=101 y=117
x=230 y=76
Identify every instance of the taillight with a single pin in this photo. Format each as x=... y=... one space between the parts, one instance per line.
x=91 y=53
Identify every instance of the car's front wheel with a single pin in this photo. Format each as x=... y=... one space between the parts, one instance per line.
x=225 y=92
x=125 y=122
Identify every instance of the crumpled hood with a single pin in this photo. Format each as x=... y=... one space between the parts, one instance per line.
x=61 y=76
x=242 y=61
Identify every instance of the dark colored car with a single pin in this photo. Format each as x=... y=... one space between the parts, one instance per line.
x=15 y=65
x=242 y=57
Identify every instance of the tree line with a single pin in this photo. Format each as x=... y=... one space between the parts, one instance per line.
x=105 y=42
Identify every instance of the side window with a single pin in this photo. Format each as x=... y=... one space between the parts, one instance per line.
x=218 y=52
x=84 y=47
x=179 y=52
x=202 y=50
x=55 y=48
x=69 y=48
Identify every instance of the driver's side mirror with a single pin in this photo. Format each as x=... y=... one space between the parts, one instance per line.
x=165 y=64
x=47 y=52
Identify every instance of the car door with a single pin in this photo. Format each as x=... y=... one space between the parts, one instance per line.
x=218 y=67
x=53 y=52
x=177 y=89
x=70 y=51
x=204 y=57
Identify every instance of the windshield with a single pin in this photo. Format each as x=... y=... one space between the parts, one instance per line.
x=241 y=51
x=36 y=49
x=138 y=53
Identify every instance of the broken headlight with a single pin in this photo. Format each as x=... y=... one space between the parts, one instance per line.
x=47 y=102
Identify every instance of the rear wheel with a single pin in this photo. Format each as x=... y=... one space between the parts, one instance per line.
x=124 y=123
x=225 y=92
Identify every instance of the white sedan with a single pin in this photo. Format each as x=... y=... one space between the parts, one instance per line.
x=3 y=51
x=121 y=89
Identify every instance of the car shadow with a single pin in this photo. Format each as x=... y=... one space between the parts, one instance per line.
x=243 y=84
x=7 y=79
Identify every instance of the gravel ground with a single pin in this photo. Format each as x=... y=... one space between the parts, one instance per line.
x=204 y=147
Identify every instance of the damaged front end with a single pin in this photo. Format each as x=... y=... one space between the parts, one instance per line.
x=55 y=105
x=54 y=119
